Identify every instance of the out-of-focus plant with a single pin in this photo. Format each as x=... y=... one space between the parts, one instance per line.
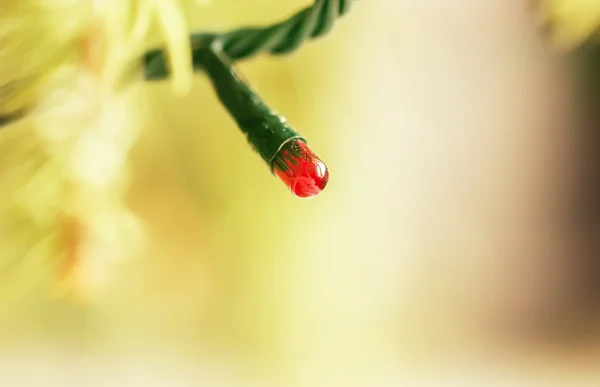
x=571 y=22
x=63 y=159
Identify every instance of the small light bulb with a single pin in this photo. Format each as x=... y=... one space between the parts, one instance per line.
x=300 y=169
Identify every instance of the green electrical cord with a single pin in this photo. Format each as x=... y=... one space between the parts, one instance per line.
x=312 y=22
x=281 y=147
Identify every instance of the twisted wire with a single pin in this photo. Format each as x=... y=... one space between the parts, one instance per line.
x=282 y=38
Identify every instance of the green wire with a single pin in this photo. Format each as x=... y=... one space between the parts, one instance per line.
x=282 y=38
x=215 y=54
x=265 y=130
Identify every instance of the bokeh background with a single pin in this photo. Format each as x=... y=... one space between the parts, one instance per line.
x=443 y=252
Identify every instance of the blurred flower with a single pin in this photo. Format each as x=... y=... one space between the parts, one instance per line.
x=572 y=22
x=63 y=168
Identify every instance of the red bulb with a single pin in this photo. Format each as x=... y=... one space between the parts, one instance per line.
x=300 y=169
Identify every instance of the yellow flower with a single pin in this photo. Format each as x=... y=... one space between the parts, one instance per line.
x=63 y=168
x=571 y=22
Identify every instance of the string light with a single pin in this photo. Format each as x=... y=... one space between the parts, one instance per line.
x=283 y=149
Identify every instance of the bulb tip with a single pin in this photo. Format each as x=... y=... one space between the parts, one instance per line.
x=301 y=170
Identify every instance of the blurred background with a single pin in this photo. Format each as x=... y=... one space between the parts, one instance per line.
x=456 y=242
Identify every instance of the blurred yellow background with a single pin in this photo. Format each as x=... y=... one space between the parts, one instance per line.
x=431 y=252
